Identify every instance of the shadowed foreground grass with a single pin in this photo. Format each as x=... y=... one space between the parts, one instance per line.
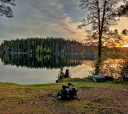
x=95 y=98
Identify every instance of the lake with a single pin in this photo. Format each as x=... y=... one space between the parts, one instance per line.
x=21 y=69
x=24 y=69
x=24 y=75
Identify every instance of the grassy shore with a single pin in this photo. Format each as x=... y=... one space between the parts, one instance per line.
x=95 y=98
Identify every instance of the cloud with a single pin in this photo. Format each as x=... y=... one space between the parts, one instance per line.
x=44 y=18
x=74 y=11
x=41 y=18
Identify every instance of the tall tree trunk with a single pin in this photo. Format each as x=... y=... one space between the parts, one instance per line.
x=99 y=48
x=101 y=26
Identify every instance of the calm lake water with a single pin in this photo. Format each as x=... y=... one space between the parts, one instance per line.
x=41 y=70
x=24 y=75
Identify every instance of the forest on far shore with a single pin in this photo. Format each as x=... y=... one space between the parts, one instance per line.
x=41 y=46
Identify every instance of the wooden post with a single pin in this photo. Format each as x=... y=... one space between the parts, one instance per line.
x=66 y=73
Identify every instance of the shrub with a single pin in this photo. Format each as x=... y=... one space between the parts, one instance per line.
x=119 y=80
x=124 y=71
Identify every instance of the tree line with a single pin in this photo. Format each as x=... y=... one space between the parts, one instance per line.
x=41 y=46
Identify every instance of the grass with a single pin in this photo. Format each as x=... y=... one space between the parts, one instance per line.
x=58 y=101
x=41 y=98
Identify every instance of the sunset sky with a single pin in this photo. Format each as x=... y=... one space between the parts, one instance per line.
x=46 y=18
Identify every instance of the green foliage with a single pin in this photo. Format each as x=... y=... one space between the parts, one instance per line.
x=41 y=46
x=61 y=75
x=38 y=49
x=124 y=72
x=41 y=52
x=121 y=80
x=87 y=79
x=102 y=107
x=58 y=101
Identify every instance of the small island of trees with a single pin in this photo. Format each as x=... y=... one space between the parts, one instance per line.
x=41 y=46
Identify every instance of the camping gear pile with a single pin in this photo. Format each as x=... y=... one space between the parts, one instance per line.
x=67 y=92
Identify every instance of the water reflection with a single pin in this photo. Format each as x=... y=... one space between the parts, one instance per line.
x=22 y=69
x=112 y=67
x=85 y=69
x=40 y=61
x=38 y=69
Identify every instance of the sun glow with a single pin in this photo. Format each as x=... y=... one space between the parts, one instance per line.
x=125 y=45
